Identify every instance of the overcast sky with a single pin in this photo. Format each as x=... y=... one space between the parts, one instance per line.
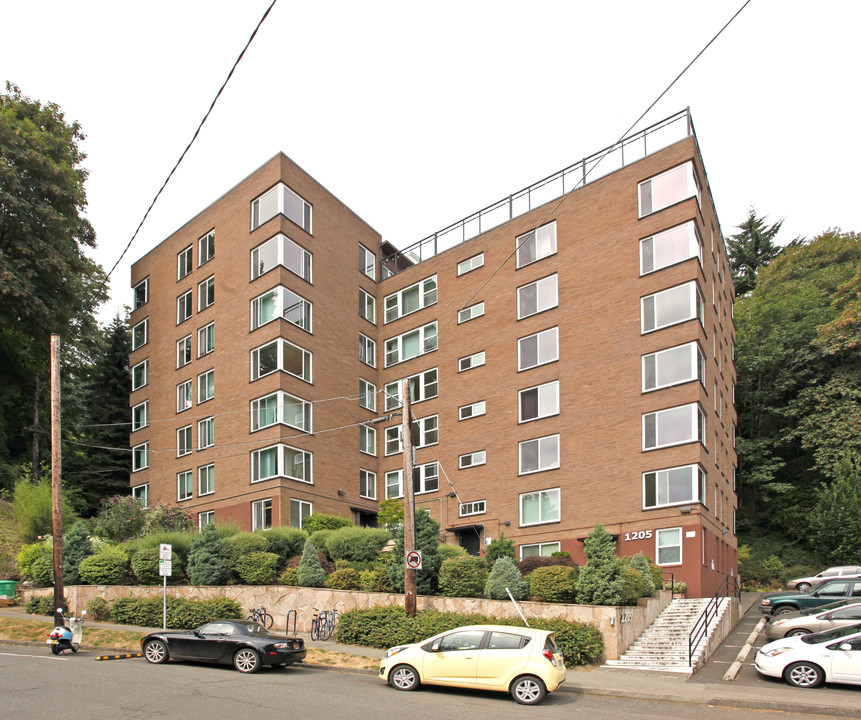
x=418 y=114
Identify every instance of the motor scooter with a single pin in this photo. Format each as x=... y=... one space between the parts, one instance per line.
x=66 y=638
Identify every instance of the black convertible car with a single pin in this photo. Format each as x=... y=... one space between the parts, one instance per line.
x=246 y=644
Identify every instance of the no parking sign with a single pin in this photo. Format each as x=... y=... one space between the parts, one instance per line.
x=414 y=559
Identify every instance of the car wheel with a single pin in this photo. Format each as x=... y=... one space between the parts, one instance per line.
x=796 y=633
x=528 y=690
x=783 y=610
x=156 y=652
x=404 y=677
x=803 y=674
x=246 y=660
x=803 y=587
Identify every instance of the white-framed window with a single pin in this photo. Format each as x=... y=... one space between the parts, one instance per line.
x=367 y=395
x=367 y=307
x=411 y=299
x=280 y=302
x=280 y=407
x=425 y=480
x=669 y=247
x=539 y=549
x=140 y=457
x=537 y=297
x=541 y=506
x=367 y=484
x=140 y=416
x=476 y=507
x=367 y=351
x=425 y=432
x=184 y=396
x=281 y=461
x=465 y=412
x=261 y=514
x=205 y=480
x=674 y=486
x=411 y=344
x=206 y=248
x=423 y=386
x=367 y=440
x=470 y=313
x=141 y=494
x=206 y=340
x=183 y=352
x=205 y=433
x=538 y=402
x=140 y=334
x=206 y=293
x=183 y=441
x=479 y=457
x=205 y=386
x=207 y=517
x=140 y=375
x=184 y=307
x=539 y=454
x=471 y=362
x=183 y=263
x=536 y=245
x=470 y=264
x=672 y=366
x=281 y=355
x=140 y=293
x=673 y=426
x=281 y=200
x=668 y=546
x=281 y=251
x=184 y=485
x=538 y=349
x=299 y=510
x=367 y=262
x=668 y=188
x=670 y=307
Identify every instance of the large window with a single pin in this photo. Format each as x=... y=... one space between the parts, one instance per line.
x=538 y=349
x=281 y=200
x=184 y=485
x=140 y=457
x=280 y=303
x=205 y=433
x=183 y=396
x=537 y=297
x=206 y=340
x=281 y=461
x=367 y=262
x=674 y=486
x=281 y=355
x=183 y=263
x=184 y=307
x=539 y=507
x=673 y=426
x=425 y=431
x=536 y=245
x=367 y=440
x=670 y=247
x=299 y=510
x=205 y=386
x=539 y=454
x=669 y=307
x=411 y=344
x=141 y=494
x=183 y=441
x=367 y=306
x=140 y=334
x=141 y=294
x=668 y=543
x=279 y=407
x=183 y=352
x=205 y=480
x=470 y=264
x=281 y=251
x=471 y=361
x=411 y=299
x=261 y=514
x=539 y=549
x=367 y=395
x=140 y=375
x=367 y=351
x=668 y=188
x=425 y=480
x=472 y=459
x=423 y=386
x=206 y=293
x=673 y=366
x=470 y=313
x=368 y=484
x=538 y=402
x=206 y=248
x=140 y=416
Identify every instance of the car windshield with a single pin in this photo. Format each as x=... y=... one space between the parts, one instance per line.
x=830 y=635
x=246 y=627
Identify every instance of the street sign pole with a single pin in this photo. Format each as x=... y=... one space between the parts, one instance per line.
x=409 y=500
x=165 y=569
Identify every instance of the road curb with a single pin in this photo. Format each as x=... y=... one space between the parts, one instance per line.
x=731 y=674
x=118 y=657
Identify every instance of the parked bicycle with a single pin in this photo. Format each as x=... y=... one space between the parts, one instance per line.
x=259 y=615
x=323 y=623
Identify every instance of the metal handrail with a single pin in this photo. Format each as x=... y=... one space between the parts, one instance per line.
x=701 y=626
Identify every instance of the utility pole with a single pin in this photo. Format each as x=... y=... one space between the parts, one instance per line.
x=37 y=460
x=56 y=480
x=409 y=500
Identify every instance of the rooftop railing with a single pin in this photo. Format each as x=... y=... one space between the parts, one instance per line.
x=629 y=150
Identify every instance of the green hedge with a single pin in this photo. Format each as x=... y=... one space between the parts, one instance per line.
x=387 y=626
x=109 y=566
x=43 y=605
x=463 y=576
x=554 y=583
x=182 y=613
x=258 y=568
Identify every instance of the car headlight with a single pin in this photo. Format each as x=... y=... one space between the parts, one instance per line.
x=395 y=650
x=766 y=602
x=776 y=651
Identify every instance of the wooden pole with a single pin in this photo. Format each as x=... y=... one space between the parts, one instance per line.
x=37 y=460
x=409 y=500
x=56 y=479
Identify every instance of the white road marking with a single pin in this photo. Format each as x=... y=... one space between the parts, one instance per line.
x=40 y=657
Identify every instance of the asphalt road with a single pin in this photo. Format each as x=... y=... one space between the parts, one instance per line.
x=35 y=685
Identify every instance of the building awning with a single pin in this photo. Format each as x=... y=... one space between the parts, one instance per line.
x=464 y=528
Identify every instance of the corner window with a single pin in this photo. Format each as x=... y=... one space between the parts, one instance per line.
x=281 y=461
x=205 y=433
x=140 y=457
x=183 y=352
x=539 y=454
x=206 y=293
x=183 y=396
x=470 y=313
x=367 y=395
x=470 y=264
x=423 y=386
x=536 y=245
x=425 y=432
x=674 y=486
x=367 y=351
x=299 y=510
x=411 y=344
x=673 y=426
x=465 y=412
x=183 y=263
x=184 y=307
x=476 y=507
x=471 y=361
x=183 y=441
x=280 y=303
x=672 y=366
x=140 y=416
x=539 y=549
x=279 y=407
x=539 y=507
x=411 y=299
x=537 y=297
x=668 y=546
x=367 y=440
x=472 y=459
x=205 y=386
x=184 y=485
x=538 y=402
x=668 y=188
x=206 y=340
x=281 y=200
x=425 y=480
x=261 y=514
x=141 y=494
x=141 y=294
x=367 y=262
x=140 y=375
x=206 y=248
x=368 y=484
x=281 y=355
x=670 y=247
x=281 y=251
x=670 y=307
x=367 y=307
x=140 y=334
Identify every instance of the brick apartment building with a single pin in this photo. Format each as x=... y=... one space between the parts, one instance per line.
x=570 y=363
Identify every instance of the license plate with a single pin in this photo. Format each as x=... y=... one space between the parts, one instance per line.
x=52 y=642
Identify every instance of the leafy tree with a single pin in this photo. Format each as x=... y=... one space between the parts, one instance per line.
x=206 y=566
x=77 y=546
x=120 y=518
x=391 y=513
x=163 y=517
x=500 y=547
x=427 y=540
x=505 y=577
x=751 y=250
x=32 y=509
x=835 y=522
x=602 y=579
x=311 y=573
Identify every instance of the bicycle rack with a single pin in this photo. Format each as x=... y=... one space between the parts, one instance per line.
x=293 y=614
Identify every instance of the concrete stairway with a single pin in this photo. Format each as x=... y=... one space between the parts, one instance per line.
x=664 y=644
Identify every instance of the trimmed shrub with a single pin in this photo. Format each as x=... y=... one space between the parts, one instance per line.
x=285 y=542
x=107 y=567
x=42 y=570
x=245 y=543
x=553 y=584
x=182 y=613
x=319 y=538
x=145 y=567
x=529 y=564
x=99 y=609
x=44 y=605
x=319 y=521
x=355 y=565
x=345 y=579
x=31 y=554
x=311 y=572
x=258 y=568
x=327 y=565
x=180 y=543
x=500 y=547
x=76 y=547
x=639 y=562
x=602 y=579
x=376 y=580
x=632 y=587
x=206 y=566
x=447 y=551
x=463 y=576
x=505 y=575
x=290 y=577
x=361 y=544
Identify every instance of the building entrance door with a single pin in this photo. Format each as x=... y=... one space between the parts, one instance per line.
x=470 y=540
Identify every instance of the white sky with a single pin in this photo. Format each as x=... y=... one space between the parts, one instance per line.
x=418 y=114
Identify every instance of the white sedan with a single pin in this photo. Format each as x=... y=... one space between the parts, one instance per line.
x=808 y=661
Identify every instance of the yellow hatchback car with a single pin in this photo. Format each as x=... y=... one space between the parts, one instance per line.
x=522 y=661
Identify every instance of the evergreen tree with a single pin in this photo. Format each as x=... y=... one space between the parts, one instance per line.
x=311 y=573
x=751 y=250
x=647 y=585
x=206 y=566
x=427 y=540
x=77 y=546
x=602 y=579
x=505 y=575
